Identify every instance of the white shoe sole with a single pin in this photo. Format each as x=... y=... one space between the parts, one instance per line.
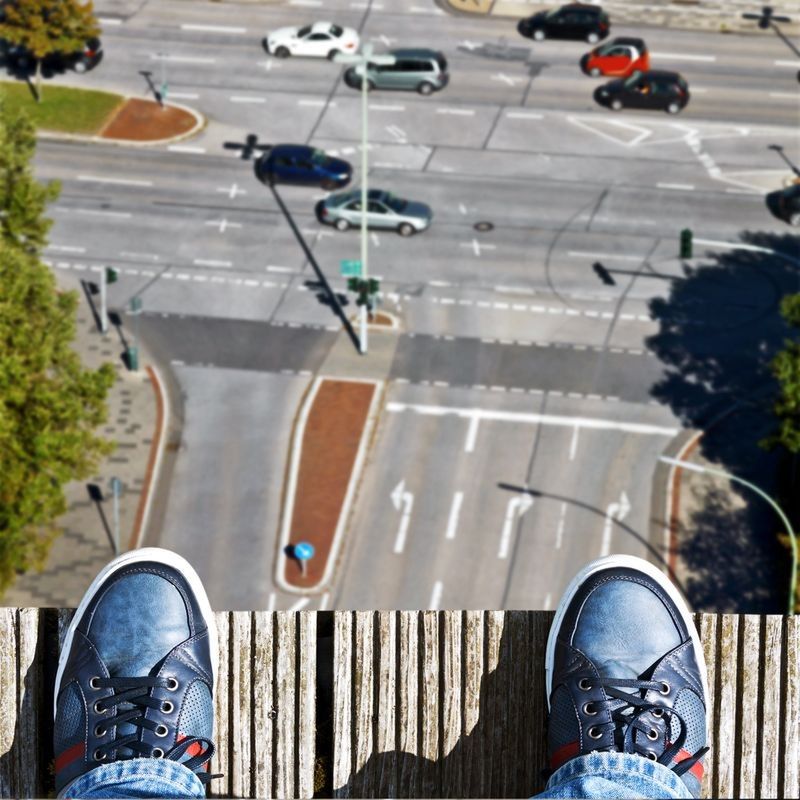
x=631 y=562
x=160 y=556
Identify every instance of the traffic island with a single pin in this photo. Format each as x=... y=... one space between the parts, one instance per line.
x=146 y=121
x=328 y=450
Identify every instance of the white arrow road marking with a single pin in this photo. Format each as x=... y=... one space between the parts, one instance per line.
x=455 y=510
x=523 y=503
x=405 y=500
x=615 y=511
x=223 y=224
x=470 y=45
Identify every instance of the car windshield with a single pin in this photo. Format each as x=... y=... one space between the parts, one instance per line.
x=303 y=32
x=552 y=13
x=395 y=203
x=631 y=82
x=336 y=31
x=319 y=158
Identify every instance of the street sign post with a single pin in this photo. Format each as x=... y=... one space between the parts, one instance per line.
x=303 y=552
x=116 y=490
x=350 y=268
x=133 y=351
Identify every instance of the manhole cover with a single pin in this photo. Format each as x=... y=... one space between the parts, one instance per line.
x=483 y=226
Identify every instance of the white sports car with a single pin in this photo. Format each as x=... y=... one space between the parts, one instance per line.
x=322 y=40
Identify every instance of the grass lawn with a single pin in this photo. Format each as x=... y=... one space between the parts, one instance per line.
x=63 y=108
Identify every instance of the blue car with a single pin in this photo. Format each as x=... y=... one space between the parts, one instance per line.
x=300 y=165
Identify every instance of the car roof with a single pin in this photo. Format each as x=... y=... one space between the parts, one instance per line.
x=662 y=73
x=629 y=40
x=320 y=27
x=415 y=52
x=581 y=7
x=291 y=150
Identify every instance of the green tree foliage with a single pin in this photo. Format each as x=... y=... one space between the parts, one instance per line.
x=22 y=199
x=786 y=369
x=46 y=27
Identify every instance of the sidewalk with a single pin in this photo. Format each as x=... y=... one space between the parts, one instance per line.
x=86 y=543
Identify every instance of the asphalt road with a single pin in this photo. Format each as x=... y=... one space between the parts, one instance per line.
x=513 y=321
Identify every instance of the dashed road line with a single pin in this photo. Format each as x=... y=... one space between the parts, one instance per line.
x=452 y=520
x=436 y=596
x=686 y=187
x=207 y=262
x=115 y=181
x=464 y=112
x=213 y=28
x=247 y=99
x=185 y=148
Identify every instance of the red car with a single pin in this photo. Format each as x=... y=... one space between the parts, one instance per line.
x=620 y=57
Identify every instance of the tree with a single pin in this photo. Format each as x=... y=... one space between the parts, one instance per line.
x=47 y=27
x=786 y=369
x=22 y=198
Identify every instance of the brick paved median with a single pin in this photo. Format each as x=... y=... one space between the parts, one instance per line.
x=146 y=121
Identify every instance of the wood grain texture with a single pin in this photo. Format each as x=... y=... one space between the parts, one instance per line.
x=409 y=710
x=386 y=717
x=220 y=763
x=286 y=699
x=306 y=702
x=748 y=730
x=241 y=702
x=342 y=707
x=364 y=719
x=31 y=694
x=8 y=701
x=791 y=709
x=726 y=719
x=770 y=733
x=263 y=700
x=707 y=628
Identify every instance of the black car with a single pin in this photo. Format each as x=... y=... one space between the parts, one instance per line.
x=664 y=91
x=574 y=21
x=789 y=204
x=83 y=60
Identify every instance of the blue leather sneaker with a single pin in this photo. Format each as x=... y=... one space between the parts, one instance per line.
x=625 y=670
x=136 y=676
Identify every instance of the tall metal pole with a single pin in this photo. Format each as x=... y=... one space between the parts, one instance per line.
x=116 y=485
x=366 y=53
x=103 y=305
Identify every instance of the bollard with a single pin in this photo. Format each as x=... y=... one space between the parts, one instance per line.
x=132 y=356
x=686 y=243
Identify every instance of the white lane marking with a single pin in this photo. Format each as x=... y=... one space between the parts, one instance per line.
x=300 y=604
x=615 y=511
x=548 y=600
x=95 y=212
x=698 y=90
x=521 y=504
x=560 y=529
x=477 y=246
x=181 y=59
x=513 y=289
x=323 y=603
x=309 y=3
x=464 y=112
x=183 y=96
x=247 y=99
x=792 y=95
x=436 y=596
x=584 y=254
x=452 y=520
x=507 y=79
x=556 y=420
x=223 y=224
x=686 y=187
x=309 y=102
x=405 y=500
x=109 y=21
x=751 y=192
x=387 y=41
x=213 y=28
x=472 y=434
x=271 y=603
x=683 y=57
x=233 y=191
x=65 y=248
x=182 y=148
x=782 y=63
x=573 y=445
x=118 y=181
x=523 y=115
x=380 y=107
x=462 y=208
x=753 y=248
x=276 y=268
x=397 y=132
x=203 y=262
x=375 y=240
x=148 y=256
x=439 y=283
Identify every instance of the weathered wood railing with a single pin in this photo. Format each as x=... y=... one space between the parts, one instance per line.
x=410 y=703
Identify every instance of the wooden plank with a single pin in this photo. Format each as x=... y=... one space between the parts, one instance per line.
x=707 y=628
x=517 y=723
x=31 y=694
x=726 y=719
x=770 y=694
x=791 y=709
x=536 y=745
x=240 y=689
x=263 y=704
x=452 y=722
x=365 y=781
x=748 y=731
x=387 y=703
x=286 y=722
x=342 y=708
x=473 y=679
x=8 y=701
x=429 y=705
x=492 y=767
x=408 y=713
x=220 y=763
x=307 y=705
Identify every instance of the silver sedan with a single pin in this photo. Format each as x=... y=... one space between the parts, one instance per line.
x=384 y=210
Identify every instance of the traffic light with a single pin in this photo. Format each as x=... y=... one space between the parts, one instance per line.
x=374 y=286
x=603 y=274
x=353 y=284
x=111 y=275
x=686 y=243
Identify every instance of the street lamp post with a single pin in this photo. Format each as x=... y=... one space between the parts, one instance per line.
x=767 y=19
x=362 y=59
x=778 y=510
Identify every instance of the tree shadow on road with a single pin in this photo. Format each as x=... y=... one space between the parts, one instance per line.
x=720 y=328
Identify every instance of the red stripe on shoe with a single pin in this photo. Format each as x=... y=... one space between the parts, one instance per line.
x=68 y=756
x=564 y=754
x=696 y=769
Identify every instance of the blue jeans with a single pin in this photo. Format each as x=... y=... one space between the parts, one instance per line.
x=602 y=775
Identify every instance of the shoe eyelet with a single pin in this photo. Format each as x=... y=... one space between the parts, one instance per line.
x=665 y=688
x=94 y=683
x=652 y=734
x=584 y=684
x=594 y=733
x=657 y=712
x=99 y=731
x=156 y=752
x=98 y=709
x=589 y=709
x=161 y=731
x=651 y=755
x=99 y=755
x=167 y=707
x=172 y=684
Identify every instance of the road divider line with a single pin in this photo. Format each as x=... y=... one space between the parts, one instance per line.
x=116 y=181
x=97 y=213
x=792 y=95
x=683 y=57
x=560 y=529
x=452 y=520
x=472 y=434
x=436 y=596
x=245 y=99
x=573 y=445
x=183 y=96
x=783 y=63
x=686 y=187
x=182 y=59
x=523 y=115
x=213 y=28
x=204 y=262
x=379 y=107
x=464 y=112
x=65 y=248
x=584 y=254
x=109 y=21
x=184 y=148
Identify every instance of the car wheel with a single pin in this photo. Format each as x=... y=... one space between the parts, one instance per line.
x=282 y=52
x=794 y=219
x=405 y=229
x=595 y=72
x=616 y=104
x=425 y=88
x=539 y=35
x=673 y=108
x=592 y=38
x=332 y=54
x=80 y=66
x=341 y=224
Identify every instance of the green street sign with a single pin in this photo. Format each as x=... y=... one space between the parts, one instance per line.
x=350 y=268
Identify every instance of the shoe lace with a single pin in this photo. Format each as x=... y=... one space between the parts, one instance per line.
x=627 y=712
x=132 y=697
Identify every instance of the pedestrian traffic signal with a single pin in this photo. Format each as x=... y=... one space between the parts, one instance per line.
x=111 y=275
x=686 y=243
x=603 y=274
x=374 y=286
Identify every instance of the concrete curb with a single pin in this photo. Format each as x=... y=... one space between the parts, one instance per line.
x=344 y=512
x=200 y=123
